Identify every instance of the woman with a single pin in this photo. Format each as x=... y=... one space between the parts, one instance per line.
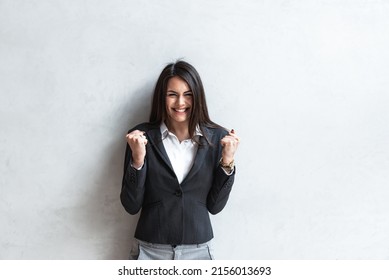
x=178 y=167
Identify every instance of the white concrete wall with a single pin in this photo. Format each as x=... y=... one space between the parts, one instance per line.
x=304 y=83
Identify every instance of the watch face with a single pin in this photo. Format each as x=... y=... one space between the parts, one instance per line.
x=228 y=165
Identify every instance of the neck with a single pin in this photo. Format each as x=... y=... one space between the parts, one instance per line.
x=181 y=130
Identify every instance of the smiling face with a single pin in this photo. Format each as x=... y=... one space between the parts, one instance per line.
x=179 y=100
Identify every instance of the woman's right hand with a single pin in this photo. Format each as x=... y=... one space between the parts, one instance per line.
x=137 y=142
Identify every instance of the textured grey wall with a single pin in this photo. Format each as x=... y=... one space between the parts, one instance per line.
x=304 y=83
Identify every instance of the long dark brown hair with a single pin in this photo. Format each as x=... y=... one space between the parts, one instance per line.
x=199 y=115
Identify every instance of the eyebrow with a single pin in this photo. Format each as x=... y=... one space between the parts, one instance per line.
x=189 y=91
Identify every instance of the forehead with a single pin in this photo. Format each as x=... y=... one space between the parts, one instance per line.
x=177 y=84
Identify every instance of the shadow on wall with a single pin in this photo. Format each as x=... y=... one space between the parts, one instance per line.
x=111 y=227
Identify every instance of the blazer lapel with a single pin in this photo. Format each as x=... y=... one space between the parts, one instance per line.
x=200 y=155
x=155 y=139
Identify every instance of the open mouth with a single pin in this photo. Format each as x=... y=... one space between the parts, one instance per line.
x=183 y=110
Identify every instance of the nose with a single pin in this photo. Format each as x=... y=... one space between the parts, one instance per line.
x=181 y=100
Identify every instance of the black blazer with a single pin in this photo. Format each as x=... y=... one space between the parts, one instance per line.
x=174 y=213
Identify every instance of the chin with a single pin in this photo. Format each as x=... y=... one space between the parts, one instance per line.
x=179 y=120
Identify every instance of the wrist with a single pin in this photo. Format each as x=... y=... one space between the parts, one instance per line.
x=227 y=162
x=136 y=163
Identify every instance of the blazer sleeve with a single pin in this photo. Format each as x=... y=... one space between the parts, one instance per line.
x=133 y=185
x=220 y=190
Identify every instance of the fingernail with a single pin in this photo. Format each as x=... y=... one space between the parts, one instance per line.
x=232 y=131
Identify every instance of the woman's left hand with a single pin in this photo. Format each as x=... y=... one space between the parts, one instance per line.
x=230 y=144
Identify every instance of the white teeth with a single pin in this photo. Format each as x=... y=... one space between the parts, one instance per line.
x=180 y=110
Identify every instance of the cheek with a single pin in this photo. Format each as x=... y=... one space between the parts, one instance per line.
x=168 y=105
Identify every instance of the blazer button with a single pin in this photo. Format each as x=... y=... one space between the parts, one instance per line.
x=178 y=193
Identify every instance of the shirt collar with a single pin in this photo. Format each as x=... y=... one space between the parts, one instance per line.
x=165 y=131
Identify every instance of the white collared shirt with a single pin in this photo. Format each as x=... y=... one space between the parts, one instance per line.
x=181 y=154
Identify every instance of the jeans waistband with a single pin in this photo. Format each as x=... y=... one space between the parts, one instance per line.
x=174 y=246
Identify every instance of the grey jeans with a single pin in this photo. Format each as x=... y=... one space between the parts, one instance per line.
x=148 y=251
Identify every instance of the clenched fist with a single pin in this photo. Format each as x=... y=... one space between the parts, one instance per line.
x=230 y=144
x=137 y=142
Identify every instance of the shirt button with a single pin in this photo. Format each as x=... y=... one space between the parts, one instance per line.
x=179 y=193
